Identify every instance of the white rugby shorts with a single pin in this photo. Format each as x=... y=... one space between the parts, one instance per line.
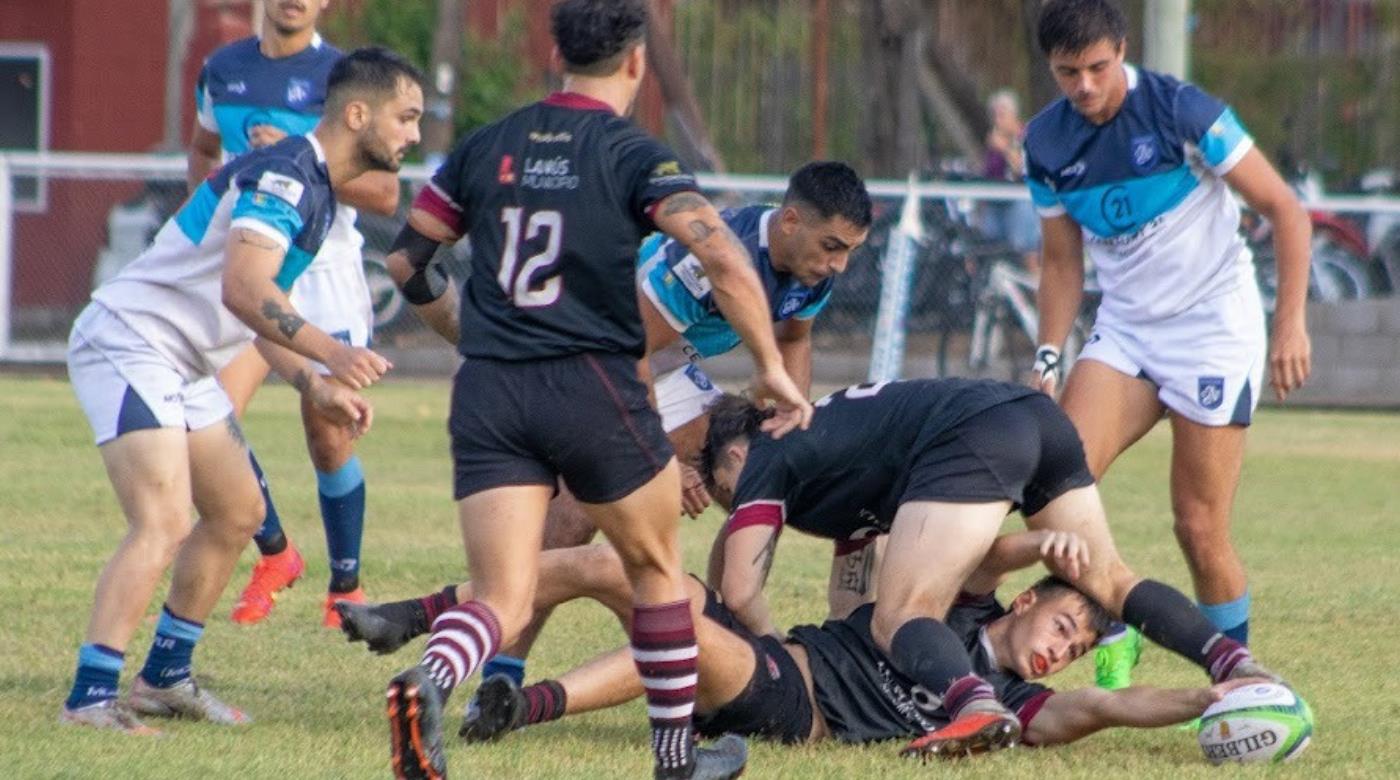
x=682 y=395
x=124 y=385
x=1207 y=362
x=332 y=295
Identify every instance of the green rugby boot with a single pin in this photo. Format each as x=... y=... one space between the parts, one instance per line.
x=1114 y=661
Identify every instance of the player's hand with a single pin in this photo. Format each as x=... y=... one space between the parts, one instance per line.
x=1290 y=355
x=792 y=409
x=1047 y=371
x=1217 y=692
x=694 y=497
x=1065 y=552
x=264 y=135
x=342 y=406
x=357 y=367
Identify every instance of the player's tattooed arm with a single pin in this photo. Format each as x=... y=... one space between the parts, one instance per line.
x=288 y=322
x=748 y=554
x=853 y=578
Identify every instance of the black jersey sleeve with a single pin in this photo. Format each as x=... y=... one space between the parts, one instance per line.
x=649 y=173
x=760 y=497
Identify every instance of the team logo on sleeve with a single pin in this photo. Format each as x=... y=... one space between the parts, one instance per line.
x=298 y=92
x=1144 y=151
x=791 y=303
x=670 y=172
x=284 y=187
x=1210 y=391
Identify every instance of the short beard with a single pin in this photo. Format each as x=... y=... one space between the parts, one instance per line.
x=377 y=159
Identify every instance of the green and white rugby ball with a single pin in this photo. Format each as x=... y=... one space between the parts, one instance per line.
x=1256 y=723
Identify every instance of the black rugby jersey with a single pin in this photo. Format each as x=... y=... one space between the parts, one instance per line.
x=864 y=699
x=555 y=198
x=842 y=477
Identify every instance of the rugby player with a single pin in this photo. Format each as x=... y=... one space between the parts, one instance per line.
x=1140 y=172
x=143 y=356
x=251 y=94
x=833 y=682
x=935 y=465
x=798 y=248
x=555 y=198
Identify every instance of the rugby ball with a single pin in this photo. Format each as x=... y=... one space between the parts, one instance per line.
x=1256 y=723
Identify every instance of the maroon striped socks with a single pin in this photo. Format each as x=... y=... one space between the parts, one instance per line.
x=463 y=637
x=545 y=701
x=663 y=647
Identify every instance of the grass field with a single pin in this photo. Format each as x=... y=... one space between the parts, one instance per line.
x=1316 y=519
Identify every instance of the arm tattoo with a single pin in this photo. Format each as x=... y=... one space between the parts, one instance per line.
x=302 y=381
x=764 y=559
x=235 y=431
x=255 y=239
x=288 y=322
x=699 y=231
x=683 y=202
x=856 y=571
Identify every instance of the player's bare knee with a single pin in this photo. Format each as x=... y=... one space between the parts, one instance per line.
x=161 y=540
x=328 y=445
x=1200 y=534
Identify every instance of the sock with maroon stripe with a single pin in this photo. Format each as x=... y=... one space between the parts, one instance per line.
x=1164 y=615
x=463 y=637
x=663 y=647
x=546 y=701
x=435 y=604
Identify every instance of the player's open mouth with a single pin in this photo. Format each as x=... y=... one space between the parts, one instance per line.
x=1039 y=665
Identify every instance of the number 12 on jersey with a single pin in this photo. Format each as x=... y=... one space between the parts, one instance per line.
x=517 y=283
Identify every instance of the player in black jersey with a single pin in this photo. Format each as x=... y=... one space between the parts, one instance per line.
x=831 y=681
x=555 y=198
x=936 y=465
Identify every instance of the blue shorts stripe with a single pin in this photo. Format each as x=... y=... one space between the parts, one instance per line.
x=135 y=415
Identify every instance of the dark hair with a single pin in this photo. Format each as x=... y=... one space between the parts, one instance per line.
x=1099 y=618
x=731 y=417
x=1071 y=26
x=372 y=69
x=832 y=189
x=593 y=35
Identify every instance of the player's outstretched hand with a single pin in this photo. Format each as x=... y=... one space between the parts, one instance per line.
x=1065 y=552
x=1290 y=356
x=342 y=406
x=357 y=367
x=694 y=497
x=1217 y=692
x=792 y=409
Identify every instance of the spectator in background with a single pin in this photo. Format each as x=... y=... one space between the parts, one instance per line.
x=1012 y=221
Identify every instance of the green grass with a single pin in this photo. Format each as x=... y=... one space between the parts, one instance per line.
x=1316 y=519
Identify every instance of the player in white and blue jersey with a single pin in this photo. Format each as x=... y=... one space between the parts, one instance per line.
x=143 y=359
x=250 y=94
x=1139 y=171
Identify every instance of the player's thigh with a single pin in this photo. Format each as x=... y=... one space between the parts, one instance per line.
x=501 y=529
x=726 y=661
x=150 y=473
x=933 y=547
x=242 y=377
x=224 y=486
x=1109 y=408
x=1206 y=465
x=643 y=525
x=566 y=524
x=1080 y=511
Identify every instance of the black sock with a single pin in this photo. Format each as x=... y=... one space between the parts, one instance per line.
x=344 y=583
x=929 y=653
x=271 y=544
x=1164 y=615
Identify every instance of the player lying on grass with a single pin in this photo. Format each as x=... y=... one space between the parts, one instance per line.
x=831 y=681
x=798 y=250
x=936 y=465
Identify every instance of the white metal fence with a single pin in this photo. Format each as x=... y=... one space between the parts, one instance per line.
x=102 y=209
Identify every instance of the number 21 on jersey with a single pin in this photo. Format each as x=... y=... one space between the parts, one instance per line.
x=516 y=282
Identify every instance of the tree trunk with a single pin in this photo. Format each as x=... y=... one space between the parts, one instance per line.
x=442 y=80
x=695 y=146
x=1043 y=87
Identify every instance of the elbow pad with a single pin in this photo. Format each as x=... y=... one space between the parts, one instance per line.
x=429 y=280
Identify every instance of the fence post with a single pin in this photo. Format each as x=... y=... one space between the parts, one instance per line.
x=7 y=216
x=891 y=319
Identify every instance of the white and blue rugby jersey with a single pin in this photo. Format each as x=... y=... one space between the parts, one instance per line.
x=1159 y=222
x=172 y=294
x=240 y=88
x=675 y=282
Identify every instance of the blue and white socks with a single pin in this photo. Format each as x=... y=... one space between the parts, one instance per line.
x=1232 y=617
x=172 y=652
x=342 y=495
x=99 y=669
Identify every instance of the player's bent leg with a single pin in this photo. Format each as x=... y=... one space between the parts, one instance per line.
x=501 y=528
x=149 y=471
x=933 y=547
x=565 y=526
x=1206 y=465
x=230 y=507
x=242 y=377
x=1110 y=410
x=340 y=490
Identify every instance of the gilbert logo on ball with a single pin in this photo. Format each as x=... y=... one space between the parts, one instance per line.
x=1256 y=723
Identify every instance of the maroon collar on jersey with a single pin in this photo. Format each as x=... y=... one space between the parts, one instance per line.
x=576 y=101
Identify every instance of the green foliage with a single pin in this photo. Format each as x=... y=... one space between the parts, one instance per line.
x=1315 y=521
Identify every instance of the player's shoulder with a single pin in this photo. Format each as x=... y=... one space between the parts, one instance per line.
x=233 y=57
x=1051 y=131
x=293 y=169
x=745 y=221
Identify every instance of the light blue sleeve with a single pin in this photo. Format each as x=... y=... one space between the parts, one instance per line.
x=271 y=211
x=814 y=308
x=1213 y=127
